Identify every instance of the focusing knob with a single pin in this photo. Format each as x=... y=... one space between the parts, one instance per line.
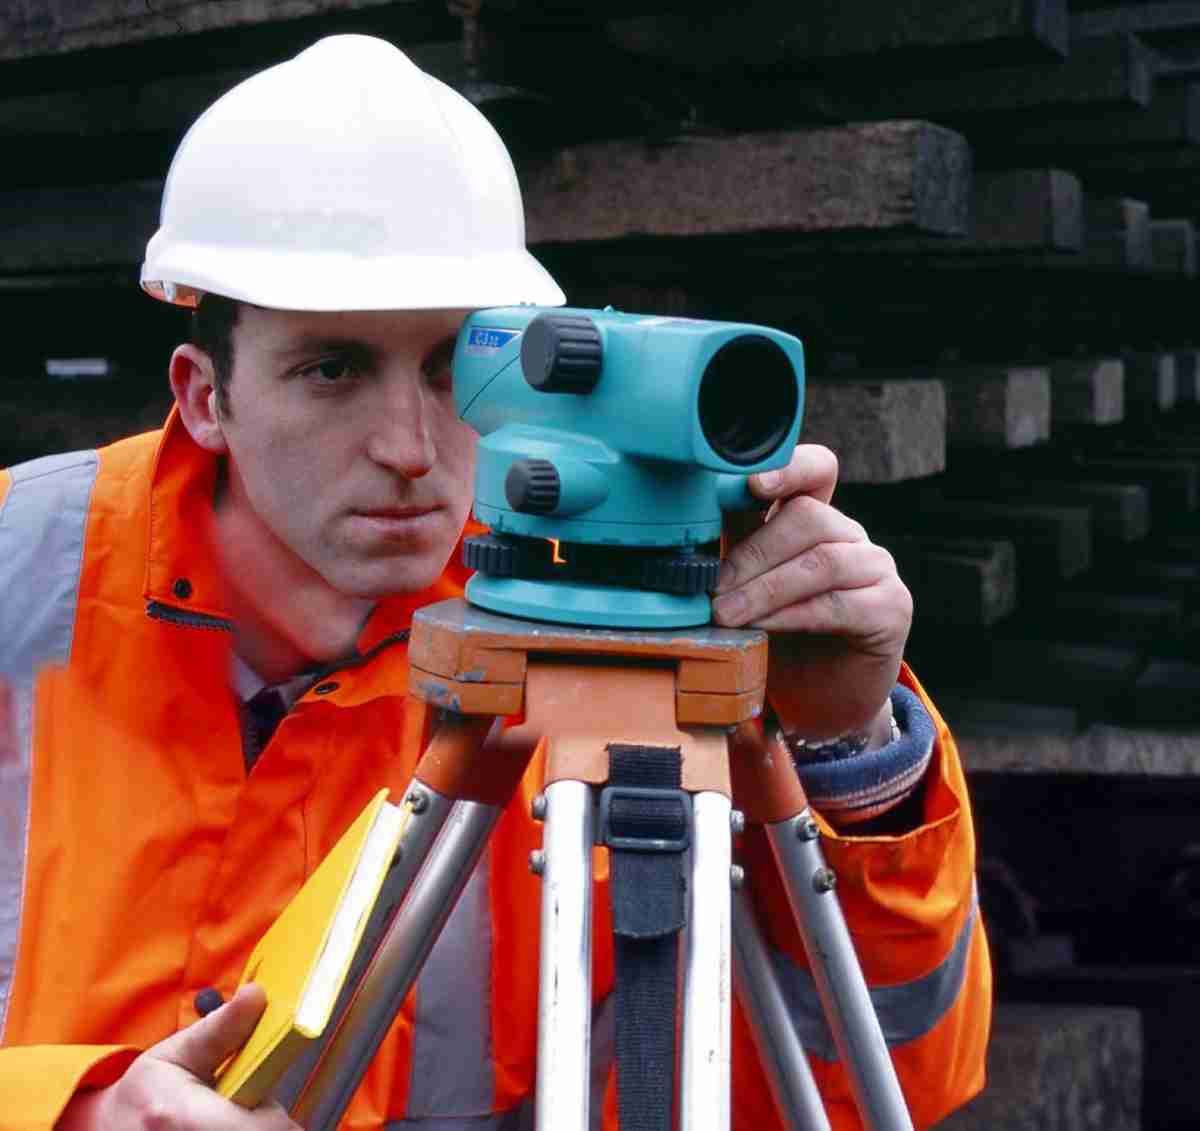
x=532 y=486
x=686 y=574
x=562 y=353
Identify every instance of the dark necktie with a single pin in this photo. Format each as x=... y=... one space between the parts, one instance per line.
x=261 y=715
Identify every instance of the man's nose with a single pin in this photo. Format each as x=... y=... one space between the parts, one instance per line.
x=401 y=438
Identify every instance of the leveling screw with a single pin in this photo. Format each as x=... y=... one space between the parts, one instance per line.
x=737 y=821
x=824 y=880
x=737 y=876
x=807 y=828
x=538 y=807
x=418 y=802
x=537 y=861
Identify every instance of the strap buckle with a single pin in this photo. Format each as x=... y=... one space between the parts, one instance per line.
x=648 y=825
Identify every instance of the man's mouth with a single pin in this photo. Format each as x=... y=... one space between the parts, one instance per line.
x=397 y=512
x=410 y=526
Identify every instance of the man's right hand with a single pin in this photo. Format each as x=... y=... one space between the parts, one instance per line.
x=169 y=1087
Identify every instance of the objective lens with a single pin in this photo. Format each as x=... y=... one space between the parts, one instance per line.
x=748 y=399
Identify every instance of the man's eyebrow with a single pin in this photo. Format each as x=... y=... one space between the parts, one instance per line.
x=314 y=345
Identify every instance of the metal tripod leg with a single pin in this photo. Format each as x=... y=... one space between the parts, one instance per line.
x=792 y=1085
x=398 y=960
x=840 y=983
x=704 y=1066
x=428 y=811
x=565 y=973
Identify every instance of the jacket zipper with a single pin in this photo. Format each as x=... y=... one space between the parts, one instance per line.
x=159 y=611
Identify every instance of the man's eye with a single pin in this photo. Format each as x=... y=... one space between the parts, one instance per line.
x=439 y=376
x=332 y=369
x=436 y=367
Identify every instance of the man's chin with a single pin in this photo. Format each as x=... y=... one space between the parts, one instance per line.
x=376 y=581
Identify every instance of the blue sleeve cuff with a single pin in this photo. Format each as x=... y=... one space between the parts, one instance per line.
x=862 y=786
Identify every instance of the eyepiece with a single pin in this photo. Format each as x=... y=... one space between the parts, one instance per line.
x=748 y=399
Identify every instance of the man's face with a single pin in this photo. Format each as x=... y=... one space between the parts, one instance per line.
x=344 y=440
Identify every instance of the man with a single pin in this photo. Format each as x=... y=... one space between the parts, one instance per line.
x=204 y=633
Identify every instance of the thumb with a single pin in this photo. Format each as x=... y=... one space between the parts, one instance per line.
x=202 y=1047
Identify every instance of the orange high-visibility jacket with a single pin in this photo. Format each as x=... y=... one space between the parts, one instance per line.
x=139 y=862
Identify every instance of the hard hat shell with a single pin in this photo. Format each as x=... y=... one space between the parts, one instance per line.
x=344 y=179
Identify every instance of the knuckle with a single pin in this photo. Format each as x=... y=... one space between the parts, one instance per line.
x=801 y=509
x=887 y=561
x=764 y=595
x=751 y=557
x=157 y=1115
x=821 y=561
x=887 y=610
x=835 y=604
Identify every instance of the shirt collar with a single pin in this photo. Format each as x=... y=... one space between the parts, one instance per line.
x=247 y=683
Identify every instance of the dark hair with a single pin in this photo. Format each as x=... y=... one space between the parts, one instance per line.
x=212 y=331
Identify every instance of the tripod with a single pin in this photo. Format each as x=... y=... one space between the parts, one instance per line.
x=694 y=692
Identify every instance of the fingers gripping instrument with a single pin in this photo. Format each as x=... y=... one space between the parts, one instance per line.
x=611 y=445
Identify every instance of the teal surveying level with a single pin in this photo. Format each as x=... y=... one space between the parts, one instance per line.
x=611 y=446
x=620 y=439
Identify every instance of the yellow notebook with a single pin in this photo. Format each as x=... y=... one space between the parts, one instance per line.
x=303 y=958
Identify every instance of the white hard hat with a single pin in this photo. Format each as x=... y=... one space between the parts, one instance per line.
x=344 y=179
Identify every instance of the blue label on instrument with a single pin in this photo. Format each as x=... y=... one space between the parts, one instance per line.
x=483 y=341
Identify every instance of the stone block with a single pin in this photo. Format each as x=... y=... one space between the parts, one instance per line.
x=57 y=229
x=1087 y=391
x=1051 y=541
x=1059 y=1068
x=1017 y=208
x=1173 y=245
x=1012 y=211
x=956 y=581
x=877 y=177
x=1117 y=233
x=1159 y=751
x=1150 y=381
x=54 y=28
x=1120 y=511
x=1187 y=376
x=997 y=407
x=783 y=35
x=881 y=431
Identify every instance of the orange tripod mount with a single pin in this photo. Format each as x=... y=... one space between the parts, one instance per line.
x=584 y=692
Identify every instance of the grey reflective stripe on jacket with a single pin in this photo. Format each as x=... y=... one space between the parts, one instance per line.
x=42 y=525
x=452 y=1029
x=519 y=1118
x=905 y=1011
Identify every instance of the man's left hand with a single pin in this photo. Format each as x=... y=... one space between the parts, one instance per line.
x=835 y=607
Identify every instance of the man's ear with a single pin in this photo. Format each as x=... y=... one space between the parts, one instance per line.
x=194 y=384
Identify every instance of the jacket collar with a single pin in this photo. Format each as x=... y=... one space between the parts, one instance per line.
x=182 y=571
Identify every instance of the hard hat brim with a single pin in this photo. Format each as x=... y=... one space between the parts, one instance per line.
x=328 y=281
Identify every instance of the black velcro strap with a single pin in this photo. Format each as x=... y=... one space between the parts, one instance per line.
x=646 y=822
